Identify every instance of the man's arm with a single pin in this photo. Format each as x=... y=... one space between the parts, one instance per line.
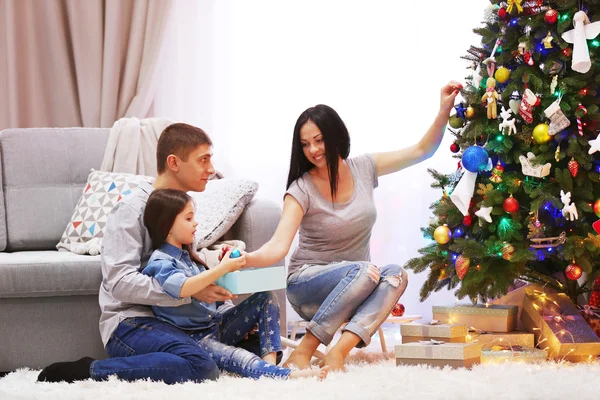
x=122 y=249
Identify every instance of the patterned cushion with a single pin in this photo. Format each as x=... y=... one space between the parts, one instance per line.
x=219 y=206
x=101 y=193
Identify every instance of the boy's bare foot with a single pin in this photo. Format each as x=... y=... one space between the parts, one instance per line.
x=320 y=373
x=335 y=361
x=298 y=360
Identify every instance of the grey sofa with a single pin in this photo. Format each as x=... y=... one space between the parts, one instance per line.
x=48 y=299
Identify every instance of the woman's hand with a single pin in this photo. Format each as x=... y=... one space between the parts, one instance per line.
x=447 y=96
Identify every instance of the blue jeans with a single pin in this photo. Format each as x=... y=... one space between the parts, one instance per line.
x=329 y=295
x=219 y=341
x=146 y=347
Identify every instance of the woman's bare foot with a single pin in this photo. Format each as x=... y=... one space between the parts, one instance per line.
x=320 y=373
x=298 y=360
x=271 y=358
x=335 y=361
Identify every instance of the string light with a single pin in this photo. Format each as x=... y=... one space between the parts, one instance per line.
x=595 y=43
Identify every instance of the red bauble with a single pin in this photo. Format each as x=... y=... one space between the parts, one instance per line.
x=573 y=272
x=398 y=310
x=467 y=220
x=455 y=148
x=596 y=226
x=538 y=101
x=573 y=167
x=511 y=205
x=567 y=52
x=551 y=16
x=502 y=13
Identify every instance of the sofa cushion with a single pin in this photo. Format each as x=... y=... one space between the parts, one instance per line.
x=102 y=191
x=219 y=206
x=48 y=273
x=44 y=170
x=2 y=213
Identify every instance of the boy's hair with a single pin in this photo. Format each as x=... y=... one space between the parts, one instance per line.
x=162 y=208
x=178 y=139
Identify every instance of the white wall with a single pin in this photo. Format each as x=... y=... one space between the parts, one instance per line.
x=379 y=63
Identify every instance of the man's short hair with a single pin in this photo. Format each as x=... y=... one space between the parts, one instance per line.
x=179 y=139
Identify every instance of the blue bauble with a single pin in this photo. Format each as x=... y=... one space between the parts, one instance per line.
x=475 y=159
x=235 y=253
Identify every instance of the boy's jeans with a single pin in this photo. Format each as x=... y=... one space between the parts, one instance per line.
x=329 y=295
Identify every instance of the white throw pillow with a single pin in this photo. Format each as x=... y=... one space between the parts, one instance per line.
x=103 y=190
x=219 y=206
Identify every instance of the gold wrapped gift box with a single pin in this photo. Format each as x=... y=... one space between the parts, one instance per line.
x=558 y=327
x=514 y=338
x=455 y=355
x=498 y=353
x=481 y=317
x=417 y=331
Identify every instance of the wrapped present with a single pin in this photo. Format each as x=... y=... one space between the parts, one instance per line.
x=252 y=280
x=502 y=353
x=484 y=317
x=514 y=338
x=417 y=331
x=438 y=354
x=558 y=327
x=592 y=316
x=515 y=298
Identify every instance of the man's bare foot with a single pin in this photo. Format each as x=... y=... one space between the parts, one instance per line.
x=320 y=373
x=271 y=358
x=298 y=360
x=335 y=361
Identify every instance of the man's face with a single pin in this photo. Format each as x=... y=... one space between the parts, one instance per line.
x=195 y=171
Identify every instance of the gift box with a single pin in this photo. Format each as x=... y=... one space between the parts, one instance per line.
x=558 y=327
x=438 y=354
x=503 y=353
x=417 y=331
x=592 y=316
x=252 y=280
x=482 y=317
x=514 y=338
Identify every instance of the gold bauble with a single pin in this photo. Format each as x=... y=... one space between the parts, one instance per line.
x=442 y=234
x=470 y=112
x=455 y=122
x=507 y=251
x=502 y=74
x=443 y=274
x=540 y=134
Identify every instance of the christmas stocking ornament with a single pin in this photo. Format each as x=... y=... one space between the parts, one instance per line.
x=558 y=119
x=527 y=103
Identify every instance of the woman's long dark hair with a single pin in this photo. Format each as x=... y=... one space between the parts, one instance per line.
x=162 y=208
x=337 y=143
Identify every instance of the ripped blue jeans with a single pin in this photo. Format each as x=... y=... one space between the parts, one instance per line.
x=329 y=295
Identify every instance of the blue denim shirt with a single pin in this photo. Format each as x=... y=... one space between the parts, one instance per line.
x=171 y=267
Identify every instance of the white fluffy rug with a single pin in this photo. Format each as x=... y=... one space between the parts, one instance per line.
x=375 y=381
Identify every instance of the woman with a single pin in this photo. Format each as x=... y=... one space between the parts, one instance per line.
x=329 y=199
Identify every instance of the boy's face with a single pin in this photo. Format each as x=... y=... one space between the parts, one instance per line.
x=195 y=171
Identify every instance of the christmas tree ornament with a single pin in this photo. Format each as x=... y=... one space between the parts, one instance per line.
x=551 y=16
x=514 y=5
x=515 y=102
x=442 y=234
x=507 y=251
x=502 y=75
x=510 y=205
x=490 y=98
x=443 y=274
x=484 y=213
x=490 y=62
x=547 y=41
x=579 y=123
x=595 y=294
x=502 y=13
x=455 y=122
x=525 y=54
x=467 y=220
x=398 y=310
x=583 y=30
x=460 y=110
x=497 y=172
x=470 y=112
x=540 y=134
x=596 y=226
x=558 y=120
x=527 y=103
x=553 y=84
x=454 y=147
x=596 y=208
x=529 y=167
x=573 y=271
x=536 y=228
x=463 y=192
x=475 y=159
x=569 y=210
x=506 y=123
x=557 y=153
x=573 y=167
x=462 y=266
x=594 y=145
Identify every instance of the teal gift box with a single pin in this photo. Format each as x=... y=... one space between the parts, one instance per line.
x=252 y=280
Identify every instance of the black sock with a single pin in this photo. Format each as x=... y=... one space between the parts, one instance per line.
x=67 y=371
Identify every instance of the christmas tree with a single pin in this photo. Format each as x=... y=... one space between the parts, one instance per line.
x=525 y=200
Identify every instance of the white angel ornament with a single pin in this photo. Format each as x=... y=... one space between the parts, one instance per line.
x=584 y=30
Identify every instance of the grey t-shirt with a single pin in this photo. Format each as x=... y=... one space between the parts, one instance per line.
x=336 y=232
